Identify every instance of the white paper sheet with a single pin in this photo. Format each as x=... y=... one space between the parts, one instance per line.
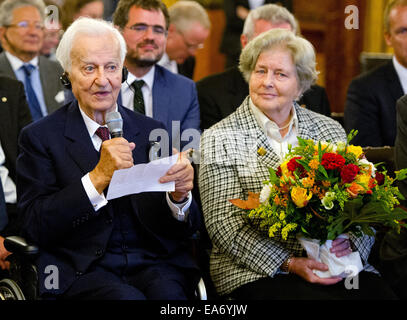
x=141 y=178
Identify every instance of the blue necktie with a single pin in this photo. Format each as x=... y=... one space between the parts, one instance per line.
x=32 y=98
x=3 y=212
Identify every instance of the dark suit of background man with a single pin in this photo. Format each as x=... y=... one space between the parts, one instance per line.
x=14 y=115
x=21 y=34
x=219 y=95
x=236 y=12
x=371 y=98
x=166 y=97
x=133 y=247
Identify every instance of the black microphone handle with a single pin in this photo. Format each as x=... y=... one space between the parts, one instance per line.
x=117 y=134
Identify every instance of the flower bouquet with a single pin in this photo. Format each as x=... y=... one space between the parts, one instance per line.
x=322 y=191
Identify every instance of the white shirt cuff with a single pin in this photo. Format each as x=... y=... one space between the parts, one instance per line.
x=180 y=210
x=97 y=200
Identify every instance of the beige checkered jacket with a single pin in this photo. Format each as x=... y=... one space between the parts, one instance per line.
x=230 y=168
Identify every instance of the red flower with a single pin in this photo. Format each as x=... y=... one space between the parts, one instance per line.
x=379 y=178
x=349 y=173
x=332 y=161
x=292 y=165
x=279 y=173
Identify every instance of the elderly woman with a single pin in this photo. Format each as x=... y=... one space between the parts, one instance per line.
x=236 y=155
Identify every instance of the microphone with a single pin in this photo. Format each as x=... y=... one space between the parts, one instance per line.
x=114 y=122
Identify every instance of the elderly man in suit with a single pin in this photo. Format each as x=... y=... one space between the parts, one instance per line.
x=21 y=34
x=371 y=98
x=220 y=94
x=14 y=115
x=151 y=89
x=133 y=247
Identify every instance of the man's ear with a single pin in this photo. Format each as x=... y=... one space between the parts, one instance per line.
x=243 y=40
x=172 y=29
x=387 y=38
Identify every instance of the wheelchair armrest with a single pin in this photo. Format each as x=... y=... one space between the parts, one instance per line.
x=19 y=245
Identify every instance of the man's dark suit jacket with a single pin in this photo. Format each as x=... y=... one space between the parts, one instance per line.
x=401 y=141
x=230 y=44
x=50 y=71
x=14 y=115
x=56 y=152
x=371 y=106
x=221 y=94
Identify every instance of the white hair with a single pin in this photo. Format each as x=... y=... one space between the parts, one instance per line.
x=89 y=27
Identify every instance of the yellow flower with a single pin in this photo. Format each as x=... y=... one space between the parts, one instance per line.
x=285 y=171
x=282 y=215
x=289 y=227
x=300 y=196
x=308 y=182
x=314 y=164
x=356 y=150
x=274 y=228
x=363 y=179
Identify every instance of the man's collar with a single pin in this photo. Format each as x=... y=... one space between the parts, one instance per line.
x=16 y=63
x=148 y=78
x=91 y=125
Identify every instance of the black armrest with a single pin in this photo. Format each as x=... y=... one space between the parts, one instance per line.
x=19 y=245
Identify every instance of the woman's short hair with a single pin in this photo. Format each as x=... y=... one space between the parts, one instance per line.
x=302 y=53
x=8 y=6
x=88 y=27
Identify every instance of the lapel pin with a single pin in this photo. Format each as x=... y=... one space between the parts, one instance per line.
x=261 y=152
x=4 y=99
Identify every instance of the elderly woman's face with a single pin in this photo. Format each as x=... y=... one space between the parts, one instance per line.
x=273 y=84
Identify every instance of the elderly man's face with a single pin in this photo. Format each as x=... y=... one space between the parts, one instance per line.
x=182 y=45
x=145 y=35
x=96 y=73
x=273 y=84
x=397 y=35
x=24 y=36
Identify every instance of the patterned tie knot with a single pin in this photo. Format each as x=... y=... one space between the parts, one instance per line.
x=137 y=84
x=28 y=69
x=103 y=133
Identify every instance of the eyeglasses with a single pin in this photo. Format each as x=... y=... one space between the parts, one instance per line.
x=191 y=46
x=26 y=25
x=141 y=28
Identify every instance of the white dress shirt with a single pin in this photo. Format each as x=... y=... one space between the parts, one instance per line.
x=402 y=73
x=270 y=128
x=179 y=211
x=9 y=188
x=168 y=64
x=127 y=91
x=16 y=65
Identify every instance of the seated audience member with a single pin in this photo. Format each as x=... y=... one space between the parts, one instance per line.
x=14 y=115
x=236 y=12
x=219 y=95
x=73 y=9
x=133 y=247
x=22 y=33
x=150 y=88
x=245 y=262
x=371 y=99
x=188 y=30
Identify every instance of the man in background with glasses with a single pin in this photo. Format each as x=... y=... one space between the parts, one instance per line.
x=188 y=30
x=22 y=34
x=151 y=89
